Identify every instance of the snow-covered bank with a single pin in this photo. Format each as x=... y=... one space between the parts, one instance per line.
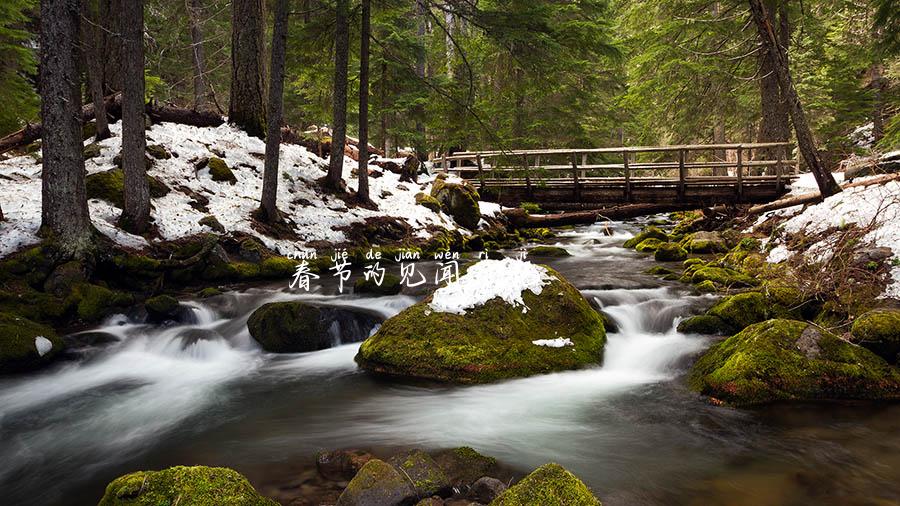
x=316 y=217
x=875 y=208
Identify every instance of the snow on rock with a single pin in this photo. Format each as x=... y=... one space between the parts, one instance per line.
x=559 y=342
x=42 y=345
x=316 y=217
x=506 y=279
x=876 y=207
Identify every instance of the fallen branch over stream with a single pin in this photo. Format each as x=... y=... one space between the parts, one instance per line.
x=809 y=198
x=518 y=218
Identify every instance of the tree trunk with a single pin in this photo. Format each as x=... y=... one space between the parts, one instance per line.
x=203 y=96
x=774 y=125
x=879 y=85
x=247 y=103
x=419 y=112
x=362 y=192
x=268 y=207
x=92 y=39
x=339 y=112
x=719 y=138
x=136 y=214
x=805 y=140
x=64 y=210
x=382 y=109
x=111 y=20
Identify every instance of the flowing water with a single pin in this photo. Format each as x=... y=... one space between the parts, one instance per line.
x=146 y=397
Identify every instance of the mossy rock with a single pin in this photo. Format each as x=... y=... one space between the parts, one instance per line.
x=213 y=223
x=429 y=202
x=609 y=324
x=463 y=465
x=704 y=242
x=706 y=286
x=92 y=150
x=704 y=325
x=231 y=271
x=26 y=345
x=423 y=473
x=548 y=485
x=64 y=277
x=377 y=484
x=548 y=252
x=197 y=486
x=744 y=309
x=650 y=232
x=879 y=331
x=277 y=267
x=721 y=276
x=659 y=270
x=649 y=245
x=781 y=360
x=669 y=252
x=158 y=151
x=94 y=302
x=162 y=307
x=490 y=342
x=390 y=285
x=692 y=261
x=219 y=171
x=109 y=185
x=209 y=292
x=294 y=327
x=459 y=200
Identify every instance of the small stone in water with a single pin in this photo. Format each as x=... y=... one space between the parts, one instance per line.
x=43 y=345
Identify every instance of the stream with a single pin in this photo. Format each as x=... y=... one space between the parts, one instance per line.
x=204 y=393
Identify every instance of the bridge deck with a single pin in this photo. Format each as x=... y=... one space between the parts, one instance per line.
x=731 y=173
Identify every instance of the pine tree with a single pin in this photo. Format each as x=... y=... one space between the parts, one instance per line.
x=136 y=214
x=64 y=201
x=362 y=192
x=268 y=205
x=92 y=42
x=247 y=104
x=203 y=96
x=339 y=109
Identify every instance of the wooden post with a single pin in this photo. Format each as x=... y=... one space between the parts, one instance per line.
x=527 y=176
x=444 y=163
x=682 y=174
x=480 y=172
x=779 y=185
x=740 y=174
x=577 y=188
x=583 y=164
x=627 y=176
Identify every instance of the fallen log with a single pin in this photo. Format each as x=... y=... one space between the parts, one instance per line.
x=518 y=218
x=156 y=112
x=808 y=198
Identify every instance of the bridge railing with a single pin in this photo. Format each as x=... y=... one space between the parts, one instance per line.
x=734 y=164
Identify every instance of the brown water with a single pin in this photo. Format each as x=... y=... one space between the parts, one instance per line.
x=630 y=429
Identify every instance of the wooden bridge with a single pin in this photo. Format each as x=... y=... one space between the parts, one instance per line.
x=702 y=175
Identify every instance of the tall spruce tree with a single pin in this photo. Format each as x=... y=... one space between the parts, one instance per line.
x=247 y=104
x=339 y=100
x=136 y=214
x=268 y=205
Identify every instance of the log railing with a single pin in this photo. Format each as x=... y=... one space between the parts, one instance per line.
x=681 y=165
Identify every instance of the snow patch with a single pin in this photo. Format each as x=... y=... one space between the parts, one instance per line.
x=42 y=345
x=559 y=342
x=488 y=279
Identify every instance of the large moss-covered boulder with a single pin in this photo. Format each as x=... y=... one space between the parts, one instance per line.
x=650 y=232
x=720 y=276
x=548 y=485
x=649 y=245
x=426 y=477
x=879 y=331
x=704 y=242
x=744 y=309
x=459 y=200
x=429 y=202
x=464 y=465
x=502 y=319
x=669 y=252
x=220 y=171
x=94 y=302
x=780 y=360
x=109 y=185
x=704 y=324
x=25 y=345
x=548 y=252
x=293 y=327
x=197 y=486
x=377 y=484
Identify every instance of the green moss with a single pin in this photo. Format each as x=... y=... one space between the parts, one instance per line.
x=161 y=305
x=669 y=252
x=390 y=285
x=530 y=207
x=548 y=485
x=423 y=472
x=704 y=324
x=92 y=150
x=780 y=360
x=692 y=261
x=548 y=251
x=537 y=234
x=110 y=186
x=209 y=292
x=231 y=271
x=649 y=245
x=93 y=302
x=721 y=276
x=706 y=286
x=879 y=331
x=739 y=311
x=704 y=242
x=427 y=201
x=196 y=486
x=213 y=223
x=377 y=482
x=659 y=270
x=219 y=171
x=459 y=201
x=19 y=347
x=277 y=267
x=289 y=327
x=489 y=342
x=648 y=233
x=159 y=152
x=464 y=465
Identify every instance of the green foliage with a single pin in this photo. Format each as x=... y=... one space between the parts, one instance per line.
x=199 y=486
x=19 y=101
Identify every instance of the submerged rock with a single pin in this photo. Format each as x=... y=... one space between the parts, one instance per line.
x=340 y=465
x=493 y=339
x=459 y=200
x=197 y=486
x=548 y=251
x=377 y=484
x=548 y=485
x=791 y=360
x=26 y=345
x=486 y=489
x=879 y=331
x=292 y=327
